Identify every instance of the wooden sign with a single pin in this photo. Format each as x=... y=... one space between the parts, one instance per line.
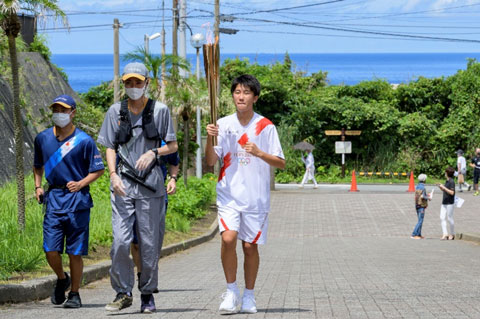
x=339 y=132
x=333 y=132
x=353 y=132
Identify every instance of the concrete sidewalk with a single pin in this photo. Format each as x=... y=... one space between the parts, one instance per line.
x=329 y=255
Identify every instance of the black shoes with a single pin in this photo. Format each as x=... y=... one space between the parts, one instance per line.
x=58 y=295
x=73 y=300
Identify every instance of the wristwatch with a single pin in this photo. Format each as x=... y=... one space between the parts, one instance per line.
x=155 y=150
x=174 y=177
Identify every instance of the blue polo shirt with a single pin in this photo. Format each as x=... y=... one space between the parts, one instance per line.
x=74 y=165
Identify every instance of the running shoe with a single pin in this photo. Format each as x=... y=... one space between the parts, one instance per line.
x=58 y=294
x=73 y=300
x=475 y=194
x=148 y=304
x=121 y=301
x=230 y=303
x=248 y=304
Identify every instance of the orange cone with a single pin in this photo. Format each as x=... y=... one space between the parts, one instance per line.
x=353 y=187
x=411 y=186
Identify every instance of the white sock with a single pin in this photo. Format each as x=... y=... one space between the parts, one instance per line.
x=233 y=286
x=248 y=292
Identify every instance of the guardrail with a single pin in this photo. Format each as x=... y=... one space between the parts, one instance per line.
x=384 y=174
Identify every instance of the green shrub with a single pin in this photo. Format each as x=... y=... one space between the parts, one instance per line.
x=22 y=251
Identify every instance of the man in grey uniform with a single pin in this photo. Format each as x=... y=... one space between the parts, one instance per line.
x=132 y=132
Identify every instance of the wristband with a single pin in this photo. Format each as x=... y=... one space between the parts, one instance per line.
x=174 y=177
x=155 y=151
x=112 y=172
x=37 y=187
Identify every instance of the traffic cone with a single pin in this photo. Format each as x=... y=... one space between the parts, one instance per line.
x=411 y=185
x=353 y=187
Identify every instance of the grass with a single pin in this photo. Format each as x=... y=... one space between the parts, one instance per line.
x=22 y=252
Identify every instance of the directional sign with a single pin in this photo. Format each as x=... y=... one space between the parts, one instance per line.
x=333 y=132
x=353 y=132
x=343 y=147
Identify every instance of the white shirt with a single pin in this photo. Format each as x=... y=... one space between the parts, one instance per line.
x=309 y=162
x=244 y=180
x=463 y=164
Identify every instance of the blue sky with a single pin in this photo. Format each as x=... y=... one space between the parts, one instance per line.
x=328 y=26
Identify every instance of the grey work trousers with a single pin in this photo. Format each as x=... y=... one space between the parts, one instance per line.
x=150 y=216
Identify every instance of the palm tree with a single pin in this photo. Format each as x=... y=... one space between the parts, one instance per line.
x=187 y=93
x=11 y=26
x=154 y=63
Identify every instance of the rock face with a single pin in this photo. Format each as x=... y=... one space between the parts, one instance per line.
x=40 y=83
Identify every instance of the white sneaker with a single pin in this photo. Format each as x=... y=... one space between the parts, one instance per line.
x=248 y=304
x=230 y=303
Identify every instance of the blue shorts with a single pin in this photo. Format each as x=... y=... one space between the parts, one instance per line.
x=70 y=227
x=135 y=237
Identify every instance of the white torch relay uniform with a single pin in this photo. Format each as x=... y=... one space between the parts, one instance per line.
x=243 y=188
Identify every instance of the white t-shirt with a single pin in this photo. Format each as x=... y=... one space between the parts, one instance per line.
x=244 y=180
x=309 y=163
x=463 y=164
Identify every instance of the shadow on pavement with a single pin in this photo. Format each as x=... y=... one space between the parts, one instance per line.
x=282 y=310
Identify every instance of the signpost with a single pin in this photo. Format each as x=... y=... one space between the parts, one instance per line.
x=343 y=147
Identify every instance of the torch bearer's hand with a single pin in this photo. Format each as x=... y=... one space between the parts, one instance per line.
x=252 y=148
x=212 y=130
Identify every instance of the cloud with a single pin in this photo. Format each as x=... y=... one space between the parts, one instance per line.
x=439 y=4
x=72 y=5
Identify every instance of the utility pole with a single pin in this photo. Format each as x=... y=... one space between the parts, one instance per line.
x=217 y=20
x=182 y=52
x=116 y=63
x=216 y=169
x=174 y=27
x=162 y=92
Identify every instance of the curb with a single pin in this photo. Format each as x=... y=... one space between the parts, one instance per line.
x=41 y=288
x=469 y=237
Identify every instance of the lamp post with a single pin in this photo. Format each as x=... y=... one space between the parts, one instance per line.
x=147 y=38
x=197 y=41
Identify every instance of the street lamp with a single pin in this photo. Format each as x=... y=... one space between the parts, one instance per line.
x=148 y=38
x=197 y=41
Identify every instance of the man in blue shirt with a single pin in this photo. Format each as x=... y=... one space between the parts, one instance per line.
x=71 y=161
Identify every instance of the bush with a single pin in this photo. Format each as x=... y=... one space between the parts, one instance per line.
x=22 y=251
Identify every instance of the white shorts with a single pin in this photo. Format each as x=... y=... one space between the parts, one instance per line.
x=250 y=226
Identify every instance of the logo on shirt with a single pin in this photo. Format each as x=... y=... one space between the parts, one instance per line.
x=243 y=158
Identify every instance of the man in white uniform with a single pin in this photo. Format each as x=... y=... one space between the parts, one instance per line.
x=462 y=171
x=309 y=170
x=248 y=145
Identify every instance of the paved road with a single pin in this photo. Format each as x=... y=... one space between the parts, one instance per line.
x=330 y=254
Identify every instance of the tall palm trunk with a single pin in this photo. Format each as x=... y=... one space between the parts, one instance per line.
x=12 y=32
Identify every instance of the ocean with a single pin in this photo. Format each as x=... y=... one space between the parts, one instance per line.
x=87 y=70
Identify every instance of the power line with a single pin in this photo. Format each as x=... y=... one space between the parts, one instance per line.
x=289 y=8
x=99 y=25
x=365 y=31
x=107 y=12
x=407 y=13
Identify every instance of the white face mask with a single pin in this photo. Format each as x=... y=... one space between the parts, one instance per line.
x=61 y=119
x=135 y=93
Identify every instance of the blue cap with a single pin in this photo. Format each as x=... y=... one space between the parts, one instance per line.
x=65 y=101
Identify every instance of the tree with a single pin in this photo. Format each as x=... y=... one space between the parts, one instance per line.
x=187 y=93
x=154 y=63
x=11 y=26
